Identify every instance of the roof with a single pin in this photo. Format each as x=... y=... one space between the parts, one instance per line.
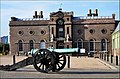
x=117 y=28
x=93 y=21
x=29 y=23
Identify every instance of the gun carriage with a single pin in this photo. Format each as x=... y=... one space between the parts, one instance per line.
x=44 y=60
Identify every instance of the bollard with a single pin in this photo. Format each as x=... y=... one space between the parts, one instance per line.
x=100 y=55
x=116 y=60
x=13 y=59
x=68 y=61
x=104 y=56
x=107 y=57
x=111 y=58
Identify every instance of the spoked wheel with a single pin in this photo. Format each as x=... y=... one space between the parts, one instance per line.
x=43 y=61
x=60 y=62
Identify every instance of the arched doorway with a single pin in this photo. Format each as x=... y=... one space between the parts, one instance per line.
x=92 y=45
x=103 y=45
x=80 y=43
x=31 y=44
x=20 y=45
x=42 y=44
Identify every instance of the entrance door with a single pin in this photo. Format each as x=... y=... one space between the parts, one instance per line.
x=60 y=44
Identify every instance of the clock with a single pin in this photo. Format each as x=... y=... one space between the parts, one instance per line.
x=60 y=22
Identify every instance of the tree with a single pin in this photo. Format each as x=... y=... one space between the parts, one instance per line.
x=1 y=47
x=6 y=48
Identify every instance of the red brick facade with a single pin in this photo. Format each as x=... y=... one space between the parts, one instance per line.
x=63 y=30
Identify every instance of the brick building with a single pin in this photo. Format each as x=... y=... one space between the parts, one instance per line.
x=62 y=30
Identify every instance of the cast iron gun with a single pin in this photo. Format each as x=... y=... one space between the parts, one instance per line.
x=44 y=60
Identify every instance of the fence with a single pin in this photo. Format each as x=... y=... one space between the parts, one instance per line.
x=113 y=60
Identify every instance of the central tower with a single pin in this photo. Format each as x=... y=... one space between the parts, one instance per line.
x=60 y=29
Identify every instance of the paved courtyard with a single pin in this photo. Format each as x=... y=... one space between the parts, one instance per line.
x=81 y=67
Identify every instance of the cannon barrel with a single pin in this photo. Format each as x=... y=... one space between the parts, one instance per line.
x=43 y=60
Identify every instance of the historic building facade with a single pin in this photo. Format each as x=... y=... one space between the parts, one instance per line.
x=116 y=41
x=62 y=30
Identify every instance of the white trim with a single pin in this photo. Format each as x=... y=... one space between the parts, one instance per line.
x=92 y=51
x=103 y=51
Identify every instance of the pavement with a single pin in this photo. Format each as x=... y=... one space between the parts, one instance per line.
x=75 y=62
x=81 y=67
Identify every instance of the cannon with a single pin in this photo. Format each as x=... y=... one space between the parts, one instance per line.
x=44 y=60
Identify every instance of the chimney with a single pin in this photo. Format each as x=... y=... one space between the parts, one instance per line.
x=113 y=16
x=89 y=13
x=35 y=16
x=13 y=19
x=95 y=12
x=41 y=14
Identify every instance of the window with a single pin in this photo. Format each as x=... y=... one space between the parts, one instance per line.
x=20 y=44
x=42 y=44
x=20 y=32
x=92 y=31
x=61 y=34
x=52 y=19
x=113 y=43
x=79 y=32
x=42 y=32
x=91 y=45
x=31 y=44
x=52 y=46
x=104 y=31
x=67 y=19
x=67 y=30
x=31 y=32
x=103 y=45
x=60 y=29
x=67 y=46
x=80 y=43
x=42 y=41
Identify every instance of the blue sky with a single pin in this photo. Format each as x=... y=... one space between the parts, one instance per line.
x=25 y=9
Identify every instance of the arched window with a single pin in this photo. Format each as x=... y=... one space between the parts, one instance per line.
x=20 y=44
x=42 y=44
x=103 y=45
x=92 y=45
x=80 y=43
x=31 y=44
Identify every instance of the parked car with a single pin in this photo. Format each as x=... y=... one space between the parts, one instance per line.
x=90 y=54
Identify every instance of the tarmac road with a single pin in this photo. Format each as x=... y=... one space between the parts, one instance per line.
x=82 y=67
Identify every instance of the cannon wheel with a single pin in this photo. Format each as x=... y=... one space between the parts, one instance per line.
x=60 y=62
x=43 y=60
